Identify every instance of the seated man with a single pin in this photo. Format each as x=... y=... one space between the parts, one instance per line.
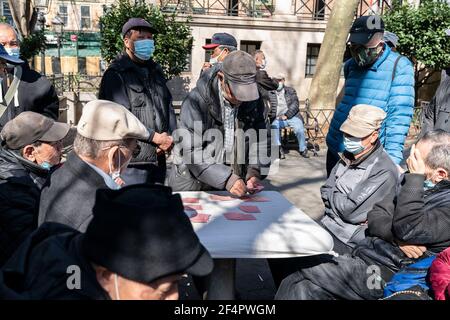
x=107 y=135
x=208 y=151
x=284 y=113
x=362 y=177
x=137 y=247
x=420 y=218
x=30 y=149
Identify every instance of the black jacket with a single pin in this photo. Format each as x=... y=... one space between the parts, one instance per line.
x=437 y=114
x=43 y=266
x=35 y=94
x=141 y=89
x=69 y=195
x=20 y=188
x=202 y=105
x=423 y=217
x=291 y=101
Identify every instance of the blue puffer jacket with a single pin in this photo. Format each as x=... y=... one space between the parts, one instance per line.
x=374 y=86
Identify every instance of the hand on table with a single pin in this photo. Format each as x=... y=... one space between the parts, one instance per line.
x=238 y=189
x=254 y=185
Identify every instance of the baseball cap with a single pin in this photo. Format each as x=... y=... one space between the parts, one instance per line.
x=221 y=39
x=5 y=56
x=364 y=28
x=135 y=23
x=362 y=120
x=142 y=233
x=239 y=69
x=29 y=127
x=104 y=120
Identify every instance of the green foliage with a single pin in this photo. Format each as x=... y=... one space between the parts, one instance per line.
x=173 y=41
x=421 y=33
x=32 y=45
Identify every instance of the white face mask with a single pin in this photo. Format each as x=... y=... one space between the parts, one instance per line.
x=116 y=287
x=263 y=64
x=215 y=59
x=116 y=174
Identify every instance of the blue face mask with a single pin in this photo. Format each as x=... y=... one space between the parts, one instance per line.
x=353 y=145
x=280 y=86
x=46 y=165
x=143 y=49
x=13 y=52
x=428 y=184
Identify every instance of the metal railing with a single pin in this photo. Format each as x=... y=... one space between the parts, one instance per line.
x=75 y=83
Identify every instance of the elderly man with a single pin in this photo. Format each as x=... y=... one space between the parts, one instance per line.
x=137 y=82
x=106 y=139
x=30 y=149
x=377 y=75
x=363 y=176
x=415 y=223
x=209 y=154
x=221 y=45
x=141 y=256
x=284 y=113
x=23 y=89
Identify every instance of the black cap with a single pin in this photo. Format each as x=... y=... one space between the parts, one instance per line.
x=221 y=39
x=136 y=23
x=364 y=28
x=5 y=56
x=142 y=233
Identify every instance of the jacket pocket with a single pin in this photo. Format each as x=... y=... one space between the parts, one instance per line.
x=137 y=96
x=180 y=179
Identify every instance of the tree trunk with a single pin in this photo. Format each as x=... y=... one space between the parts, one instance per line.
x=24 y=16
x=324 y=84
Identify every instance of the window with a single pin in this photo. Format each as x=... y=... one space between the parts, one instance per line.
x=63 y=14
x=319 y=11
x=233 y=7
x=312 y=53
x=207 y=52
x=250 y=46
x=6 y=12
x=85 y=17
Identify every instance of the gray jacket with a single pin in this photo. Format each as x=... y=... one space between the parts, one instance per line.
x=351 y=191
x=437 y=114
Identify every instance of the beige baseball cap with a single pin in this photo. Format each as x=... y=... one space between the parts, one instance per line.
x=362 y=120
x=104 y=120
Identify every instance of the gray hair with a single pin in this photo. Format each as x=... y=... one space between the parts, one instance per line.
x=7 y=25
x=439 y=155
x=257 y=52
x=94 y=148
x=230 y=48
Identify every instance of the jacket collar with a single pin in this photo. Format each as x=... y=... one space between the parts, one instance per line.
x=82 y=170
x=208 y=88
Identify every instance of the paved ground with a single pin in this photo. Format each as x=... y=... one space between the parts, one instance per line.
x=299 y=180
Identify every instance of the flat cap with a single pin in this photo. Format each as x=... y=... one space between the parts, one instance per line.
x=136 y=23
x=362 y=120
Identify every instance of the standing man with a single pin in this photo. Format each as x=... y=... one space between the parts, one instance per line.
x=23 y=89
x=381 y=77
x=265 y=83
x=221 y=45
x=284 y=113
x=137 y=82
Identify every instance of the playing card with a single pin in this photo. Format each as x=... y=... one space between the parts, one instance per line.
x=239 y=216
x=250 y=209
x=193 y=207
x=256 y=189
x=201 y=218
x=215 y=197
x=190 y=200
x=256 y=199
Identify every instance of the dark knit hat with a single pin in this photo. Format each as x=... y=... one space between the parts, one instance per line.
x=142 y=233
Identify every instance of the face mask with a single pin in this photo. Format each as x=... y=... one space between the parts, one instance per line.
x=13 y=52
x=353 y=145
x=365 y=56
x=263 y=64
x=215 y=59
x=46 y=165
x=428 y=184
x=143 y=49
x=280 y=86
x=116 y=287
